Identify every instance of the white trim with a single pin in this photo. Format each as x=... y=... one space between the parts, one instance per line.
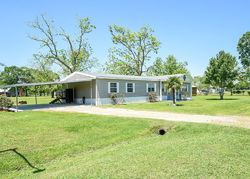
x=133 y=86
x=108 y=87
x=91 y=92
x=154 y=87
x=96 y=92
x=72 y=74
x=117 y=87
x=160 y=90
x=86 y=74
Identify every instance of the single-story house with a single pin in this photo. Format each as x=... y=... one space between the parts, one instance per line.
x=96 y=89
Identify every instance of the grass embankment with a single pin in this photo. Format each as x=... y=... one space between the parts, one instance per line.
x=90 y=146
x=209 y=105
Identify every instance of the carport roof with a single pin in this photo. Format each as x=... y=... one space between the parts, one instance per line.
x=64 y=81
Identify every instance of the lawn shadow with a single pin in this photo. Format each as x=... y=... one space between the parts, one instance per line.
x=37 y=170
x=179 y=104
x=223 y=99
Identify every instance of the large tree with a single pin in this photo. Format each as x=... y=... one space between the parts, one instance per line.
x=42 y=73
x=168 y=67
x=222 y=71
x=132 y=51
x=74 y=54
x=13 y=75
x=244 y=49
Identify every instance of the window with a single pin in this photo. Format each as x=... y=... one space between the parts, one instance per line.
x=151 y=87
x=113 y=87
x=184 y=88
x=130 y=87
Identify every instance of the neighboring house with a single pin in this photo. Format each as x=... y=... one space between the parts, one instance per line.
x=4 y=92
x=96 y=89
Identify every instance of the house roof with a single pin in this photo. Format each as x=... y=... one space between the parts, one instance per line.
x=82 y=75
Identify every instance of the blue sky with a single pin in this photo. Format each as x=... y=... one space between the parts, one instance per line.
x=193 y=30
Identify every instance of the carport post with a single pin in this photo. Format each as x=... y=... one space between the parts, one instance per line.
x=16 y=99
x=160 y=90
x=35 y=96
x=91 y=92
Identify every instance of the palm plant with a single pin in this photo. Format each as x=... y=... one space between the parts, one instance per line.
x=173 y=83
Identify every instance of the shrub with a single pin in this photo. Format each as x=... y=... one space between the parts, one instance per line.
x=117 y=98
x=5 y=102
x=238 y=92
x=152 y=97
x=248 y=93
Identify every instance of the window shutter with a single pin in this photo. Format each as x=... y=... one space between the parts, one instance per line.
x=147 y=87
x=126 y=87
x=117 y=85
x=108 y=87
x=155 y=87
x=133 y=87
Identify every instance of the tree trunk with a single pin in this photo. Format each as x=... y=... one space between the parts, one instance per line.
x=221 y=93
x=26 y=92
x=174 y=96
x=221 y=96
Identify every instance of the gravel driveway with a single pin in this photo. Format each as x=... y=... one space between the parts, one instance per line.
x=225 y=120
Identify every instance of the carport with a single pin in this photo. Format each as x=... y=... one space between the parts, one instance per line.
x=69 y=81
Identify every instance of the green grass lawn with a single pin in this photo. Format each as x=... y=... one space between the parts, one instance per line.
x=72 y=145
x=31 y=100
x=210 y=105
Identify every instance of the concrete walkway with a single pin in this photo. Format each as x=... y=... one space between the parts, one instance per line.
x=225 y=120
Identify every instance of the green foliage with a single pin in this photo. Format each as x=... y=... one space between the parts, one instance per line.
x=5 y=102
x=173 y=83
x=168 y=67
x=199 y=82
x=133 y=50
x=244 y=49
x=152 y=97
x=42 y=73
x=14 y=75
x=72 y=55
x=222 y=71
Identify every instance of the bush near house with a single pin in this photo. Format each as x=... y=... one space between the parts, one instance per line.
x=152 y=97
x=5 y=103
x=117 y=98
